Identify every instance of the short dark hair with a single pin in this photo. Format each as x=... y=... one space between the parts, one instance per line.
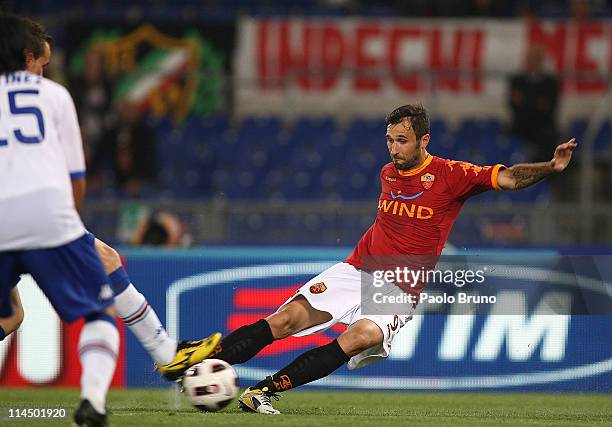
x=41 y=34
x=17 y=36
x=418 y=118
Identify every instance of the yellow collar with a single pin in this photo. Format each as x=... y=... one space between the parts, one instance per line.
x=414 y=171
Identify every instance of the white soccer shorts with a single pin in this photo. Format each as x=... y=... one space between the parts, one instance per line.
x=337 y=291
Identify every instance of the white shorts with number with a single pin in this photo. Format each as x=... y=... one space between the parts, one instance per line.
x=337 y=291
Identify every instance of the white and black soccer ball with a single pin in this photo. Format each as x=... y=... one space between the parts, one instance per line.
x=210 y=385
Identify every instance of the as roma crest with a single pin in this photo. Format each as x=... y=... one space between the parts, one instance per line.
x=427 y=180
x=318 y=288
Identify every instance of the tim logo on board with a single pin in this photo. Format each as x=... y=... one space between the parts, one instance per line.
x=529 y=350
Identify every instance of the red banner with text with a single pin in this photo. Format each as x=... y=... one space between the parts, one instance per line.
x=367 y=66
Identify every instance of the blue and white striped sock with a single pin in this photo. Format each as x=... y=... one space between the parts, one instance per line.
x=134 y=310
x=98 y=348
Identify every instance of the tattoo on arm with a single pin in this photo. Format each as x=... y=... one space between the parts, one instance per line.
x=529 y=173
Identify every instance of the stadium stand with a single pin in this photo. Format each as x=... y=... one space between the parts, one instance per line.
x=264 y=158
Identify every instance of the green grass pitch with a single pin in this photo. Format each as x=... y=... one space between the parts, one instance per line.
x=155 y=407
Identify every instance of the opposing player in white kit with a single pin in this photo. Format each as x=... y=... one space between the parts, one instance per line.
x=171 y=358
x=41 y=232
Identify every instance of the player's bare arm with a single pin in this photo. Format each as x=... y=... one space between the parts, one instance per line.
x=522 y=176
x=12 y=323
x=78 y=192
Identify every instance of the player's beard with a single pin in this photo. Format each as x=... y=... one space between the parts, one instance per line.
x=404 y=164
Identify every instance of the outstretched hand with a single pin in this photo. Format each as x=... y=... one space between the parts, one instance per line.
x=563 y=155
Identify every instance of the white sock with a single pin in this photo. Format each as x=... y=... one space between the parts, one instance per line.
x=98 y=346
x=136 y=313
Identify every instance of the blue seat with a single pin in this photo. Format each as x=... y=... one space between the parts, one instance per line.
x=535 y=194
x=329 y=179
x=306 y=156
x=261 y=125
x=300 y=185
x=334 y=151
x=279 y=151
x=212 y=123
x=468 y=128
x=163 y=125
x=366 y=158
x=438 y=129
x=357 y=186
x=577 y=129
x=445 y=146
x=366 y=133
x=367 y=125
x=273 y=179
x=603 y=137
x=186 y=183
x=314 y=127
x=314 y=160
x=489 y=128
x=498 y=150
x=479 y=128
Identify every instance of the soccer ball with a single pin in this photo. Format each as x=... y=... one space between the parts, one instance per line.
x=210 y=385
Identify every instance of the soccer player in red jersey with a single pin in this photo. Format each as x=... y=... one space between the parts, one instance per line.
x=420 y=199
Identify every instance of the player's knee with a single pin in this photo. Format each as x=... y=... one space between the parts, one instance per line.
x=19 y=316
x=283 y=324
x=360 y=337
x=294 y=317
x=11 y=324
x=110 y=258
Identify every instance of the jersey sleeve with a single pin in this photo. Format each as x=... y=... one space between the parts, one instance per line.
x=69 y=135
x=466 y=179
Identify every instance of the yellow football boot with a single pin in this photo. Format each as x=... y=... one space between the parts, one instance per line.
x=189 y=353
x=255 y=400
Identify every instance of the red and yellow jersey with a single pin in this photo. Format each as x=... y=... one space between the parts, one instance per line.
x=417 y=208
